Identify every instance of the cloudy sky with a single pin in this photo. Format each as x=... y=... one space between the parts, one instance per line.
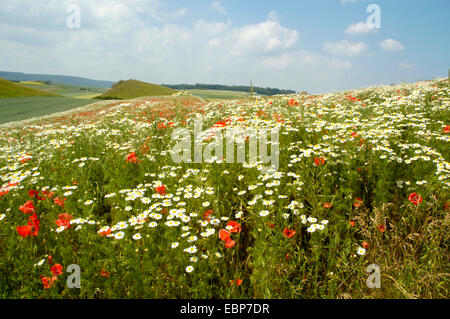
x=317 y=46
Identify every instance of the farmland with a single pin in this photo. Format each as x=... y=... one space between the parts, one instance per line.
x=363 y=178
x=22 y=108
x=66 y=90
x=211 y=95
x=9 y=89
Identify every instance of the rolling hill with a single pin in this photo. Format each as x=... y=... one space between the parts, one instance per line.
x=62 y=79
x=131 y=89
x=9 y=89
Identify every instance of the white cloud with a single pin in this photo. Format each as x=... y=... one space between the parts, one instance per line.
x=143 y=39
x=360 y=28
x=345 y=1
x=217 y=7
x=391 y=45
x=345 y=48
x=306 y=60
x=260 y=39
x=406 y=66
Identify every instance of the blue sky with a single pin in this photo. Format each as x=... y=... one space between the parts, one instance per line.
x=317 y=46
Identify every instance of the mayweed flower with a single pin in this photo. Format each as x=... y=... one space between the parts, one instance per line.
x=137 y=236
x=263 y=213
x=361 y=251
x=189 y=269
x=119 y=235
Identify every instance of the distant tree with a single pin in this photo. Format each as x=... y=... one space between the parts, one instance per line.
x=240 y=88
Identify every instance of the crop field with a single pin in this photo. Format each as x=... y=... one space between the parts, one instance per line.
x=219 y=94
x=22 y=108
x=84 y=92
x=360 y=189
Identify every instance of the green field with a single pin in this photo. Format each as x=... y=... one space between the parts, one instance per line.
x=218 y=94
x=22 y=108
x=10 y=89
x=67 y=90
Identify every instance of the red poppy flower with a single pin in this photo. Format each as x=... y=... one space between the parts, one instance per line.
x=236 y=226
x=104 y=273
x=327 y=205
x=288 y=233
x=63 y=220
x=59 y=202
x=105 y=233
x=132 y=158
x=161 y=190
x=24 y=231
x=365 y=244
x=33 y=193
x=271 y=225
x=48 y=194
x=293 y=102
x=4 y=192
x=238 y=282
x=48 y=282
x=57 y=269
x=27 y=208
x=415 y=198
x=319 y=161
x=224 y=234
x=381 y=228
x=358 y=202
x=446 y=129
x=33 y=222
x=229 y=243
x=352 y=223
x=24 y=160
x=207 y=214
x=220 y=124
x=447 y=205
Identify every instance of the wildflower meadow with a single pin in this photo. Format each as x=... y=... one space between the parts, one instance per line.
x=350 y=200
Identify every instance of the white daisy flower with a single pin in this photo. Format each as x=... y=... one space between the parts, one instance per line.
x=119 y=235
x=189 y=269
x=137 y=236
x=264 y=213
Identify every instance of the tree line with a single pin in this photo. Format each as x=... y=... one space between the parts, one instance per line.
x=240 y=88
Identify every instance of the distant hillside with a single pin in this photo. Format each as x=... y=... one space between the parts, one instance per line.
x=63 y=79
x=131 y=89
x=10 y=89
x=240 y=88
